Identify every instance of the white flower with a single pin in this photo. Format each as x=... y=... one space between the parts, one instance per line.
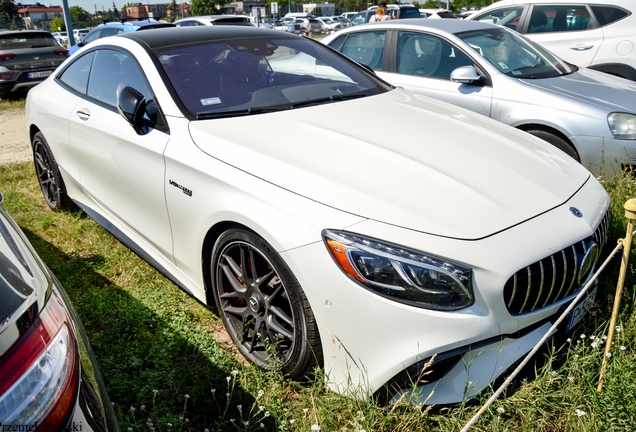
x=235 y=372
x=132 y=409
x=228 y=378
x=266 y=414
x=187 y=396
x=143 y=407
x=231 y=420
x=623 y=347
x=579 y=412
x=553 y=373
x=315 y=427
x=261 y=425
x=619 y=329
x=246 y=423
x=568 y=340
x=260 y=393
x=594 y=344
x=501 y=410
x=571 y=378
x=582 y=336
x=169 y=424
x=227 y=395
x=604 y=337
x=239 y=408
x=305 y=410
x=292 y=421
x=608 y=355
x=213 y=391
x=155 y=391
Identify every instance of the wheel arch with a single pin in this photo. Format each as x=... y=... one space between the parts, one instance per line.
x=206 y=253
x=33 y=129
x=548 y=129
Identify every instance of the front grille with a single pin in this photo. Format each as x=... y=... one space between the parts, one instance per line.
x=555 y=277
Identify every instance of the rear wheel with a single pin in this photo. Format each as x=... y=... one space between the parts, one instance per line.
x=556 y=141
x=49 y=177
x=262 y=305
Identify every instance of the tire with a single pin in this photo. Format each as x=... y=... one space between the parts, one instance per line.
x=49 y=176
x=262 y=305
x=556 y=141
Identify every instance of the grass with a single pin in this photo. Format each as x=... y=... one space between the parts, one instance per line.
x=168 y=366
x=12 y=103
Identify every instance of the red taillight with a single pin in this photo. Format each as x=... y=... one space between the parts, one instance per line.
x=4 y=57
x=8 y=76
x=40 y=373
x=62 y=52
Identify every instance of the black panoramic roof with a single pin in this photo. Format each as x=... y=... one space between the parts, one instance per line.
x=166 y=37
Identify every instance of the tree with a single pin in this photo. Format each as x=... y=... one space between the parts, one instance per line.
x=8 y=9
x=206 y=7
x=58 y=24
x=173 y=10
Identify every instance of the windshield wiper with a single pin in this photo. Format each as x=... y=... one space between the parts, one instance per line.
x=240 y=112
x=328 y=99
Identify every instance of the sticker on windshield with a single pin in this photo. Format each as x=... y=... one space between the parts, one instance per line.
x=210 y=101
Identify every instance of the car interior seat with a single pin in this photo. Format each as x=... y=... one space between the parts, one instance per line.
x=240 y=77
x=420 y=55
x=538 y=21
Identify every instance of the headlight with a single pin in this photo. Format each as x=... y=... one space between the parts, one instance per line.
x=401 y=274
x=622 y=125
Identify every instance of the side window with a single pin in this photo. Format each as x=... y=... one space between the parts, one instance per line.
x=608 y=14
x=112 y=71
x=76 y=75
x=552 y=18
x=422 y=54
x=338 y=42
x=94 y=35
x=507 y=17
x=366 y=47
x=110 y=31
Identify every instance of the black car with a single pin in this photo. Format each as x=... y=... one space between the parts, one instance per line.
x=27 y=58
x=49 y=379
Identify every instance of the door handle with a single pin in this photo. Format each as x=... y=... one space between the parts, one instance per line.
x=84 y=114
x=582 y=47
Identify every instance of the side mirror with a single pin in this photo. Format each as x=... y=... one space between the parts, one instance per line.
x=465 y=75
x=132 y=106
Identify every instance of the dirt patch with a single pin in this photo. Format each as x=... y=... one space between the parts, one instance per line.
x=14 y=138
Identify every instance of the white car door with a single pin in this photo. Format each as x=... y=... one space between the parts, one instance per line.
x=424 y=64
x=120 y=170
x=567 y=30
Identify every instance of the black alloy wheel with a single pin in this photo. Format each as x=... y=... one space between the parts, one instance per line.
x=262 y=305
x=49 y=175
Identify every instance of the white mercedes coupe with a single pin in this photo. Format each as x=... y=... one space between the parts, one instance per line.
x=380 y=231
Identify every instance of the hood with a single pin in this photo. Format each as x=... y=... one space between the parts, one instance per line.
x=605 y=91
x=402 y=159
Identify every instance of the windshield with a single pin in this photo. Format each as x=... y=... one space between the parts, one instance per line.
x=26 y=40
x=515 y=55
x=256 y=75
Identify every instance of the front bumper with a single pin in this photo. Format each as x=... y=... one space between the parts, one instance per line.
x=368 y=340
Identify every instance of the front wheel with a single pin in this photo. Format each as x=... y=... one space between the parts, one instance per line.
x=49 y=176
x=262 y=305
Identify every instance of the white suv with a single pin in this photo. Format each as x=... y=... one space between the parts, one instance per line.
x=599 y=34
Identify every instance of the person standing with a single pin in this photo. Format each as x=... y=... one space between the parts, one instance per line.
x=380 y=13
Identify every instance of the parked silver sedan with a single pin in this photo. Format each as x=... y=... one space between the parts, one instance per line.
x=494 y=71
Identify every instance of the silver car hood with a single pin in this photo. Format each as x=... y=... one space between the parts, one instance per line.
x=597 y=88
x=402 y=159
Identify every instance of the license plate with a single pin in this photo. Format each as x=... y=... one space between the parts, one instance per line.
x=581 y=309
x=42 y=74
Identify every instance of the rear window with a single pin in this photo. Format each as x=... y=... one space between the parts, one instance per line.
x=608 y=14
x=26 y=40
x=410 y=13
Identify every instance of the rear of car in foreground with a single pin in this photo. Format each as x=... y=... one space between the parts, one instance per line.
x=369 y=251
x=49 y=377
x=27 y=58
